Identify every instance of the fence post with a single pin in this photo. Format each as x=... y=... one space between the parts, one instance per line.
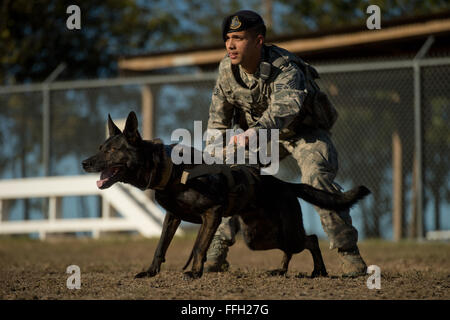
x=42 y=235
x=52 y=208
x=413 y=220
x=418 y=125
x=106 y=209
x=418 y=130
x=397 y=198
x=148 y=114
x=46 y=130
x=4 y=209
x=46 y=115
x=46 y=125
x=95 y=234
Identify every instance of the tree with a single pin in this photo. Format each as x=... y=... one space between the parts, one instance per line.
x=315 y=15
x=34 y=38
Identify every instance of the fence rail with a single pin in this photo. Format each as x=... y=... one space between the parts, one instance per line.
x=138 y=211
x=210 y=76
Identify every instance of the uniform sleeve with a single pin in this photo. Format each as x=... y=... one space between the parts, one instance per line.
x=220 y=110
x=286 y=99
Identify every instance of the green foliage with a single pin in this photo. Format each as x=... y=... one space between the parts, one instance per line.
x=35 y=39
x=314 y=15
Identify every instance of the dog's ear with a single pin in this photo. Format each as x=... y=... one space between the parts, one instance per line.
x=131 y=129
x=112 y=128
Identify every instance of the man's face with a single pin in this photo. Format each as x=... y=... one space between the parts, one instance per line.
x=242 y=47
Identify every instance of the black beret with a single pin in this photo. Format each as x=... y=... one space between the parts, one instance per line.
x=240 y=21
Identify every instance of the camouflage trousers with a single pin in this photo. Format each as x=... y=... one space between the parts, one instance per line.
x=317 y=159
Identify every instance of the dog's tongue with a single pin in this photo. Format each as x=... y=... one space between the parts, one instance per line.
x=105 y=176
x=100 y=183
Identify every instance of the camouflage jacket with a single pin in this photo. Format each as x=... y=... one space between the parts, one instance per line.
x=279 y=104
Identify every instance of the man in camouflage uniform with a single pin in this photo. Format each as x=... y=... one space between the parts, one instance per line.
x=274 y=100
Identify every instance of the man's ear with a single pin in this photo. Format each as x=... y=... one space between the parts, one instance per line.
x=260 y=39
x=131 y=129
x=112 y=128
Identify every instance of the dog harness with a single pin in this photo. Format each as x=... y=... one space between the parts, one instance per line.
x=239 y=192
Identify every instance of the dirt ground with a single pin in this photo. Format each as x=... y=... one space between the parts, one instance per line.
x=33 y=269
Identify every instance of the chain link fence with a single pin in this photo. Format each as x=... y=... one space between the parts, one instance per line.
x=375 y=102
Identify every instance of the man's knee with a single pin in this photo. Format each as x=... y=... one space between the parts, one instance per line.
x=320 y=179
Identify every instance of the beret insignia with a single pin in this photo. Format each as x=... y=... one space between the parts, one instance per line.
x=241 y=21
x=235 y=23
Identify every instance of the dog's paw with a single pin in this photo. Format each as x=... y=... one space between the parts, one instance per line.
x=190 y=275
x=302 y=275
x=146 y=274
x=319 y=273
x=276 y=272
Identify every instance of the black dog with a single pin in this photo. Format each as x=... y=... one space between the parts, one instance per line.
x=268 y=209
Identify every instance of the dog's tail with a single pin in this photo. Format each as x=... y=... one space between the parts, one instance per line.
x=328 y=200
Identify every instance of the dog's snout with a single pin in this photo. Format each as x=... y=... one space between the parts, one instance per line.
x=86 y=163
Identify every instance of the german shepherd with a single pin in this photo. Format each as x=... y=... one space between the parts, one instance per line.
x=268 y=208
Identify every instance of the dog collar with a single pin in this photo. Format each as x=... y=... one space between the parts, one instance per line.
x=167 y=173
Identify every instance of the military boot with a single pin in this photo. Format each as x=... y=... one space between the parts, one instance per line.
x=353 y=264
x=216 y=256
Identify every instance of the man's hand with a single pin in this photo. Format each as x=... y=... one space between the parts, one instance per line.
x=242 y=139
